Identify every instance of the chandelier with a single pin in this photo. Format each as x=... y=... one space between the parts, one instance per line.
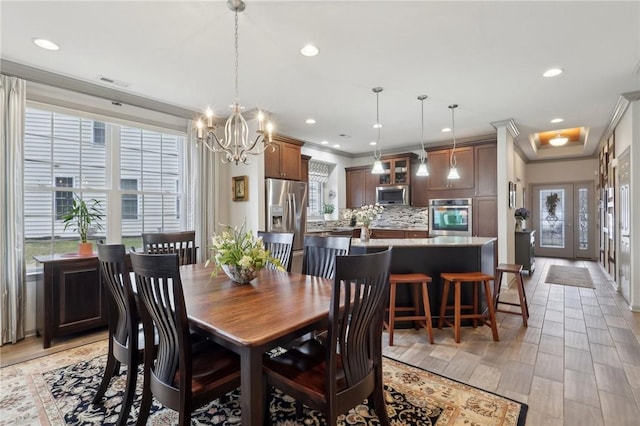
x=559 y=140
x=422 y=168
x=236 y=145
x=377 y=153
x=453 y=170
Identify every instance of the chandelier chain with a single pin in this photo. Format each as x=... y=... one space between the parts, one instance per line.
x=236 y=63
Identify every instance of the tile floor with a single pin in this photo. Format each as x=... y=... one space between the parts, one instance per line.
x=578 y=362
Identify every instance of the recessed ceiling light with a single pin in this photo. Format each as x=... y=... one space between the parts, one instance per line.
x=337 y=145
x=557 y=120
x=552 y=72
x=373 y=143
x=46 y=44
x=446 y=129
x=325 y=142
x=377 y=126
x=309 y=50
x=310 y=121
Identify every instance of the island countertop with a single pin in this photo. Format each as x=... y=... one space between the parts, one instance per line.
x=441 y=241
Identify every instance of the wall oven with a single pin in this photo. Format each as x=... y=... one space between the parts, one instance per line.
x=450 y=217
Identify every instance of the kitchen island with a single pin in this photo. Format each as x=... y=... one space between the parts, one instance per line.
x=433 y=256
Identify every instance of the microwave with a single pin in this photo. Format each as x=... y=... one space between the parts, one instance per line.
x=392 y=195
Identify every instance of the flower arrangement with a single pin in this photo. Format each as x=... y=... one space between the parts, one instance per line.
x=240 y=253
x=365 y=214
x=522 y=214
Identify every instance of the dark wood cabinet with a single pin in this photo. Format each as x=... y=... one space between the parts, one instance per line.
x=386 y=233
x=69 y=296
x=525 y=242
x=304 y=168
x=416 y=234
x=486 y=167
x=360 y=186
x=485 y=217
x=439 y=165
x=284 y=161
x=397 y=171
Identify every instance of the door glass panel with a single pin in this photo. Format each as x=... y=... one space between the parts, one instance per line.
x=583 y=219
x=552 y=216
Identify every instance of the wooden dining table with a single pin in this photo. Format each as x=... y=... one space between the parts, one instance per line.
x=252 y=318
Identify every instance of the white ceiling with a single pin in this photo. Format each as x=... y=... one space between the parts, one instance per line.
x=487 y=56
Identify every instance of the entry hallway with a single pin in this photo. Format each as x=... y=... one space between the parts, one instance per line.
x=578 y=362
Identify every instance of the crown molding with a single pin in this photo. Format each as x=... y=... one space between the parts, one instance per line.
x=616 y=115
x=509 y=124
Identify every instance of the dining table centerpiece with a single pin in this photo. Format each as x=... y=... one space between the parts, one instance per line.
x=240 y=254
x=364 y=216
x=521 y=214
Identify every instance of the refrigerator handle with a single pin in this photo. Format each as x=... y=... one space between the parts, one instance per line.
x=294 y=211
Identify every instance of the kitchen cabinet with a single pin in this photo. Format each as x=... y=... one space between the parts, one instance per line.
x=416 y=234
x=304 y=168
x=486 y=167
x=525 y=242
x=439 y=164
x=69 y=296
x=284 y=160
x=397 y=171
x=484 y=217
x=381 y=233
x=360 y=186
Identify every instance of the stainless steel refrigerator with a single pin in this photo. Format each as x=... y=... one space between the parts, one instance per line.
x=287 y=208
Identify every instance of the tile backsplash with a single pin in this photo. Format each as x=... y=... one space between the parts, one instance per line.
x=396 y=217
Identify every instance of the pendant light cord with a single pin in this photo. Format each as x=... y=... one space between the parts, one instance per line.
x=452 y=159
x=422 y=98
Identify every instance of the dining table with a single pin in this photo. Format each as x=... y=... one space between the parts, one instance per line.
x=253 y=318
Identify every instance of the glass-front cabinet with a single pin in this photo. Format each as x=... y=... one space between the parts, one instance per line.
x=396 y=171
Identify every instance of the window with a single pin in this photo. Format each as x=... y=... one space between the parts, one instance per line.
x=129 y=201
x=67 y=150
x=64 y=199
x=99 y=132
x=318 y=178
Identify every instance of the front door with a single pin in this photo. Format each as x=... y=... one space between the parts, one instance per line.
x=563 y=215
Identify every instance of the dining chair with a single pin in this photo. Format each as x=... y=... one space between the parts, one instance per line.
x=183 y=243
x=125 y=334
x=319 y=254
x=184 y=374
x=350 y=369
x=280 y=245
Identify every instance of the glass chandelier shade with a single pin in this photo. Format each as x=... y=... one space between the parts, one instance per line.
x=377 y=153
x=236 y=145
x=559 y=140
x=422 y=168
x=453 y=170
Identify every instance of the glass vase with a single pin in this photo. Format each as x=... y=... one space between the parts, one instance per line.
x=518 y=225
x=364 y=234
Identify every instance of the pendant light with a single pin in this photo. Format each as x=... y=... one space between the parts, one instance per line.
x=377 y=153
x=422 y=168
x=559 y=140
x=453 y=171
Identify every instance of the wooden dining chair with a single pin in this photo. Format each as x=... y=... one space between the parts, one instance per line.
x=280 y=245
x=319 y=254
x=184 y=374
x=125 y=334
x=350 y=369
x=183 y=243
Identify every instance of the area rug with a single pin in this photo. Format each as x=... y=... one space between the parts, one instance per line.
x=569 y=275
x=58 y=389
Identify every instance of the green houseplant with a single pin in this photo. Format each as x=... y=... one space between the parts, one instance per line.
x=328 y=210
x=82 y=216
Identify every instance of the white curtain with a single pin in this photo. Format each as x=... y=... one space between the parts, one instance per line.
x=202 y=191
x=12 y=265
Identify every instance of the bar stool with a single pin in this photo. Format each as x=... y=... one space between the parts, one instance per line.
x=415 y=280
x=474 y=278
x=524 y=307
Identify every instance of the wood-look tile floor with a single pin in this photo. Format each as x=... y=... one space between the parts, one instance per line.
x=578 y=362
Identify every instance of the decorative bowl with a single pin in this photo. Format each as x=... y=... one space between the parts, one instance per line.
x=239 y=275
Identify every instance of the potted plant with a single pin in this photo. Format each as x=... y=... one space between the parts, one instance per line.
x=83 y=216
x=328 y=211
x=521 y=215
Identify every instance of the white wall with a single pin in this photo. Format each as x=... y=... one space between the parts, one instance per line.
x=338 y=177
x=562 y=171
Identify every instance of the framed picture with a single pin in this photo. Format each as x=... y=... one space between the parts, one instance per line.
x=240 y=188
x=512 y=195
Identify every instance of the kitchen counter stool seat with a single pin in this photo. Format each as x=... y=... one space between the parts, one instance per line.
x=416 y=280
x=517 y=271
x=476 y=279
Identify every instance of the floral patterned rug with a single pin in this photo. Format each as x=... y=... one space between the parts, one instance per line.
x=58 y=389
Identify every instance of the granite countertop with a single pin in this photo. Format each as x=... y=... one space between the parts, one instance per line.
x=317 y=229
x=425 y=242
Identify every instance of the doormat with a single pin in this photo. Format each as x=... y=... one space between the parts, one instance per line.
x=569 y=275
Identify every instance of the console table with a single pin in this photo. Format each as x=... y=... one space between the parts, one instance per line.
x=69 y=296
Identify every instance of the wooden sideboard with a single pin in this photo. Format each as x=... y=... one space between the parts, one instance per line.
x=69 y=296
